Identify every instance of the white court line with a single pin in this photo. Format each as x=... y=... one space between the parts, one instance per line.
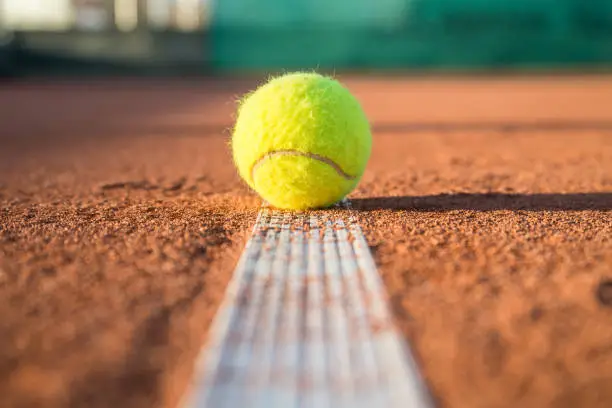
x=305 y=323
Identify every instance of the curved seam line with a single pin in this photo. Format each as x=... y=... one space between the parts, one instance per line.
x=314 y=156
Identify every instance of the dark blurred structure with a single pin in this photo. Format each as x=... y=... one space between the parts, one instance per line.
x=59 y=37
x=203 y=36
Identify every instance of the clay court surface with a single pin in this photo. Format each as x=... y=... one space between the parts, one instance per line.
x=487 y=204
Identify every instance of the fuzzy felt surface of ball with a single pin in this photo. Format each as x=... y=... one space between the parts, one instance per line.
x=302 y=141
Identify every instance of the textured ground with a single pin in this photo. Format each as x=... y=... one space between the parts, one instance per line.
x=487 y=203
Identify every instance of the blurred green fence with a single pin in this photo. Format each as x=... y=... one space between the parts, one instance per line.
x=369 y=34
x=201 y=36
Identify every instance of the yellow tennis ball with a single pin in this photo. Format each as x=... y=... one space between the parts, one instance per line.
x=301 y=141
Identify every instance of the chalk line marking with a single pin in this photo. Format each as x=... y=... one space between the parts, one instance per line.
x=305 y=323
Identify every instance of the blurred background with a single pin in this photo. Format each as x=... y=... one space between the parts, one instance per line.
x=196 y=37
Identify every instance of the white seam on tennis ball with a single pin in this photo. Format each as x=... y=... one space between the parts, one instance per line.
x=314 y=156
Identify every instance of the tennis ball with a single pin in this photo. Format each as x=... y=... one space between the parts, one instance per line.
x=301 y=141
